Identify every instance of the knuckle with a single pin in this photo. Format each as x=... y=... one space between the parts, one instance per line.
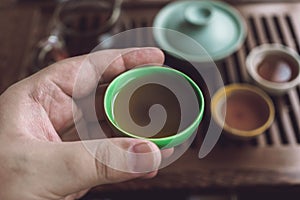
x=104 y=172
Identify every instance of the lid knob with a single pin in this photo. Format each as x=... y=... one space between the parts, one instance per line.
x=198 y=14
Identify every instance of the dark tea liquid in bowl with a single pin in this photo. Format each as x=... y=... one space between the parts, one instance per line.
x=245 y=111
x=156 y=105
x=278 y=68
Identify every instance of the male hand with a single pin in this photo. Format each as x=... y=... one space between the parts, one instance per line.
x=37 y=116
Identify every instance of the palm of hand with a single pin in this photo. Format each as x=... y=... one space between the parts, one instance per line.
x=38 y=114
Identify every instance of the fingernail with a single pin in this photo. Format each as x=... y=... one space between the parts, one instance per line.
x=144 y=158
x=141 y=148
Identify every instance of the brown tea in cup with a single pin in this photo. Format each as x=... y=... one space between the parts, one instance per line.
x=274 y=67
x=156 y=105
x=245 y=110
x=278 y=68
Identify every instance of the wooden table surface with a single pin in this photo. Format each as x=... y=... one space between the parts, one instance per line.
x=231 y=165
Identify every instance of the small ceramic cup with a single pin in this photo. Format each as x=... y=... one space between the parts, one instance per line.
x=274 y=67
x=244 y=111
x=142 y=96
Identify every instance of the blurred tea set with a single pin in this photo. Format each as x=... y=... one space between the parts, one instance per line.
x=244 y=110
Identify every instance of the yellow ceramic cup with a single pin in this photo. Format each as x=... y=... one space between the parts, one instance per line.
x=244 y=111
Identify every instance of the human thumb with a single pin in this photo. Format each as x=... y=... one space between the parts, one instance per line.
x=75 y=166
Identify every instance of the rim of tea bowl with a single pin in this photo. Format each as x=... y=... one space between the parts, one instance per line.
x=256 y=56
x=221 y=97
x=163 y=142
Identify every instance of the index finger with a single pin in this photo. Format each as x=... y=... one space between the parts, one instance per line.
x=85 y=72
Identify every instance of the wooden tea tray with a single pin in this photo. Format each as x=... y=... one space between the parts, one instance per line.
x=271 y=160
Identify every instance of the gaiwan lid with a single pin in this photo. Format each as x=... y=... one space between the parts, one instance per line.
x=217 y=27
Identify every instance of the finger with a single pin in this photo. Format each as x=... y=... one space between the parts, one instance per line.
x=92 y=106
x=74 y=167
x=77 y=195
x=99 y=130
x=166 y=153
x=89 y=131
x=81 y=194
x=78 y=131
x=84 y=72
x=150 y=175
